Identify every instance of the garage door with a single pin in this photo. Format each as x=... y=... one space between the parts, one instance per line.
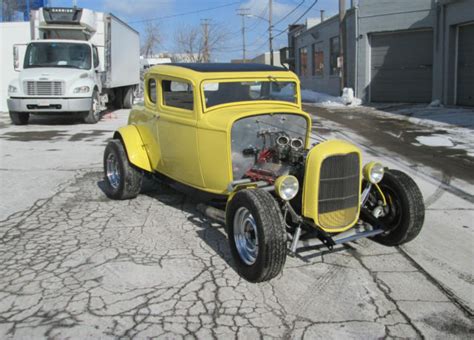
x=465 y=81
x=401 y=67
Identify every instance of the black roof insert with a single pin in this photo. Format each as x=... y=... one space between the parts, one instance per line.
x=228 y=67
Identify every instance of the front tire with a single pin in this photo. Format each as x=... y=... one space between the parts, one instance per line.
x=93 y=116
x=257 y=235
x=122 y=180
x=128 y=95
x=406 y=211
x=19 y=118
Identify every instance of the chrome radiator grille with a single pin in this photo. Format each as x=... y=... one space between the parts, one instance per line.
x=44 y=88
x=339 y=190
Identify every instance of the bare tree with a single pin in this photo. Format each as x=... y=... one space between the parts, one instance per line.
x=151 y=39
x=197 y=43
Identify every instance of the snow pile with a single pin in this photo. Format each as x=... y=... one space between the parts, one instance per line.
x=326 y=100
x=435 y=140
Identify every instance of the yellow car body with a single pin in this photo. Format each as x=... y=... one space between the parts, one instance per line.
x=193 y=147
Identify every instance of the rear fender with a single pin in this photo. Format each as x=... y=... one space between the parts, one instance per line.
x=134 y=146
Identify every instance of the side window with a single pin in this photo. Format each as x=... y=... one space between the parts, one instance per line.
x=177 y=94
x=96 y=57
x=151 y=90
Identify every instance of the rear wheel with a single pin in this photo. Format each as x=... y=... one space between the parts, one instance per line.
x=19 y=118
x=93 y=116
x=257 y=235
x=122 y=179
x=405 y=210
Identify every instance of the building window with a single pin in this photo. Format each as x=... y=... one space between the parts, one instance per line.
x=334 y=48
x=318 y=60
x=303 y=61
x=177 y=94
x=152 y=90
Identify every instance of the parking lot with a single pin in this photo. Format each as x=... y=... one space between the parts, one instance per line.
x=75 y=264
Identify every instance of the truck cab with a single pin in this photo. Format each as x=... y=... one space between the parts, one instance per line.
x=67 y=67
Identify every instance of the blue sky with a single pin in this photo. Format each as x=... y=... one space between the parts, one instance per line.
x=225 y=18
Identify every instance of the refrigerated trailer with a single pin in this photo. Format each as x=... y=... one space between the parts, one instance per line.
x=78 y=60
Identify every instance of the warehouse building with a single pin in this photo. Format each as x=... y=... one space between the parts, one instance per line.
x=395 y=51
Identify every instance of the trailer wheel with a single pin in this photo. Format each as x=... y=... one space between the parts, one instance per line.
x=128 y=95
x=19 y=118
x=257 y=235
x=93 y=116
x=122 y=179
x=405 y=212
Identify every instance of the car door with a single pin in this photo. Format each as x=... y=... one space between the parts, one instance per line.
x=146 y=121
x=177 y=129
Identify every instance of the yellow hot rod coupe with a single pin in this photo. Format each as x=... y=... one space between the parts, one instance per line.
x=237 y=132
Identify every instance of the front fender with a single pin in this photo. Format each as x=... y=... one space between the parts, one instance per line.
x=134 y=146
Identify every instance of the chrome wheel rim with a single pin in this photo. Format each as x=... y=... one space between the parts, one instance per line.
x=246 y=236
x=112 y=170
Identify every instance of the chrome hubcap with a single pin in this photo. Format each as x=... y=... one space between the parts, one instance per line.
x=112 y=169
x=245 y=235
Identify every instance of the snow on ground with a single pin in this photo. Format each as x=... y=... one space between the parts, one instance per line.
x=325 y=100
x=435 y=140
x=453 y=126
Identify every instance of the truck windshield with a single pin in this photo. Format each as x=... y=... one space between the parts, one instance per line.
x=54 y=54
x=217 y=93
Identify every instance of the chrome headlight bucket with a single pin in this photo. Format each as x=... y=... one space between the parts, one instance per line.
x=287 y=187
x=373 y=172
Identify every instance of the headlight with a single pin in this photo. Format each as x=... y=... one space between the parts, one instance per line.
x=373 y=172
x=287 y=187
x=81 y=89
x=12 y=89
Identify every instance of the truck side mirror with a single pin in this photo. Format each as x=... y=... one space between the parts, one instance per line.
x=18 y=55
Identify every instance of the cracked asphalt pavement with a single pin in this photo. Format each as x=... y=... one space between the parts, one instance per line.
x=74 y=264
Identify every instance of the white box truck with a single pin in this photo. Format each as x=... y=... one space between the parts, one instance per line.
x=77 y=60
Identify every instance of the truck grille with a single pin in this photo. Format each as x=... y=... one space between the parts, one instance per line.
x=44 y=88
x=339 y=188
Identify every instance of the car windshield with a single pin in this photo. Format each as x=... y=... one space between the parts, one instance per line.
x=54 y=54
x=217 y=93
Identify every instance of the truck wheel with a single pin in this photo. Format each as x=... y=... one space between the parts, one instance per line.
x=122 y=179
x=406 y=210
x=93 y=116
x=128 y=97
x=19 y=118
x=257 y=235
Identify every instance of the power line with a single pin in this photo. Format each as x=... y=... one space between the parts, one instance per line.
x=290 y=13
x=185 y=13
x=296 y=21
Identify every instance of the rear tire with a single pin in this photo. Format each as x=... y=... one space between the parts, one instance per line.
x=406 y=211
x=19 y=118
x=122 y=179
x=128 y=95
x=93 y=116
x=257 y=235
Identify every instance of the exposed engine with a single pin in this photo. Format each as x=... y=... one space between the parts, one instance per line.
x=278 y=156
x=268 y=146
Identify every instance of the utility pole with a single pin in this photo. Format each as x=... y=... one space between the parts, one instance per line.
x=243 y=12
x=270 y=36
x=205 y=50
x=342 y=42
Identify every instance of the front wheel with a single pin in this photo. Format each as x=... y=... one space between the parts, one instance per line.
x=122 y=180
x=19 y=118
x=257 y=235
x=405 y=211
x=93 y=116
